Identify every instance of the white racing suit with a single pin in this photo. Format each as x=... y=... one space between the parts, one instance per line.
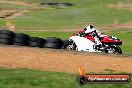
x=96 y=34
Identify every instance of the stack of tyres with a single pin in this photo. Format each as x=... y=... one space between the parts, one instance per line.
x=66 y=43
x=21 y=39
x=54 y=43
x=6 y=37
x=36 y=42
x=10 y=38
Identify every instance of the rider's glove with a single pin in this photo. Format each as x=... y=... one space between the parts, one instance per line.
x=81 y=34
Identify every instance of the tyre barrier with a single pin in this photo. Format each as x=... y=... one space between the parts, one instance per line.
x=65 y=44
x=6 y=37
x=53 y=42
x=36 y=42
x=10 y=38
x=21 y=39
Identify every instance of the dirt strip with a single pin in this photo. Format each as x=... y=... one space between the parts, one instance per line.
x=20 y=3
x=61 y=60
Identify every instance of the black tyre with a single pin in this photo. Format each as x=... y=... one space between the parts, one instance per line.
x=6 y=32
x=20 y=41
x=5 y=36
x=36 y=42
x=114 y=49
x=53 y=45
x=22 y=36
x=6 y=41
x=36 y=39
x=19 y=44
x=70 y=45
x=53 y=42
x=65 y=43
x=118 y=50
x=80 y=80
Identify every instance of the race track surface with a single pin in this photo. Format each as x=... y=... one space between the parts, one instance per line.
x=62 y=60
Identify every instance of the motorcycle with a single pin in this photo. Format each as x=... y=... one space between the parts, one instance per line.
x=87 y=42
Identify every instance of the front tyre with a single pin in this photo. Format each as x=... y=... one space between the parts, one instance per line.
x=114 y=49
x=118 y=50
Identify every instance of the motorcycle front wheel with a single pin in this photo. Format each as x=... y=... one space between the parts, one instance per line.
x=114 y=49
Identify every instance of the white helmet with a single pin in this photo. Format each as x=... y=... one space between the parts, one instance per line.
x=89 y=29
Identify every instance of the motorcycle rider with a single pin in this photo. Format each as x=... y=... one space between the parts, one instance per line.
x=96 y=34
x=92 y=40
x=90 y=30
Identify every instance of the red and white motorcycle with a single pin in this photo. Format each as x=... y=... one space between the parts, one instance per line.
x=88 y=42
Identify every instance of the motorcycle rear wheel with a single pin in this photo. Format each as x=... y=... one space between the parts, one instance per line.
x=71 y=47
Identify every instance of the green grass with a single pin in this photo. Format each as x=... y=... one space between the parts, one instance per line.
x=25 y=78
x=83 y=12
x=63 y=35
x=70 y=18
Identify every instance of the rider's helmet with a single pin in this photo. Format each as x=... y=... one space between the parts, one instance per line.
x=89 y=29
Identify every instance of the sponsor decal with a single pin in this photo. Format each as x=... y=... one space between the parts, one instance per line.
x=102 y=78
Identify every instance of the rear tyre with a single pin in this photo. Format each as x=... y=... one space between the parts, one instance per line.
x=70 y=45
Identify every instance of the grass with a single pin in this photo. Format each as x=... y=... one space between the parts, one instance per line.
x=26 y=78
x=70 y=18
x=63 y=35
x=76 y=16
